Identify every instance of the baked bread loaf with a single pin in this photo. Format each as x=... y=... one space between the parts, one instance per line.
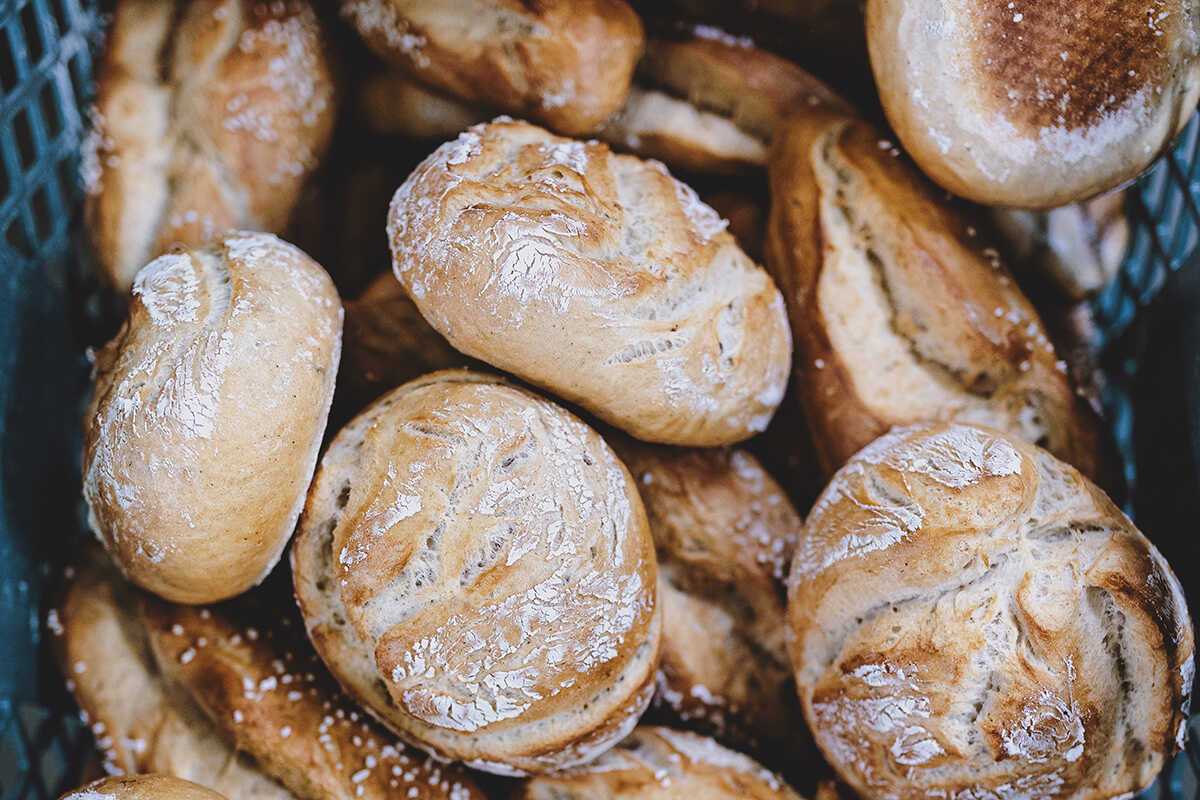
x=565 y=63
x=899 y=312
x=724 y=533
x=209 y=115
x=1035 y=105
x=392 y=102
x=208 y=410
x=142 y=720
x=387 y=343
x=249 y=665
x=143 y=787
x=474 y=566
x=655 y=763
x=970 y=616
x=596 y=276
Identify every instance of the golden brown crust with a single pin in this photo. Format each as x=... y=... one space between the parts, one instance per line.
x=655 y=763
x=971 y=616
x=565 y=63
x=225 y=349
x=392 y=102
x=451 y=518
x=208 y=116
x=143 y=787
x=248 y=664
x=596 y=276
x=1035 y=104
x=142 y=721
x=899 y=313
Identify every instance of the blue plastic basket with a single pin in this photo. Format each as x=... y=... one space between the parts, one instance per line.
x=47 y=317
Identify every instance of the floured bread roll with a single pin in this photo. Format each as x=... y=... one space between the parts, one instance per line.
x=142 y=720
x=662 y=764
x=899 y=312
x=391 y=102
x=142 y=787
x=474 y=566
x=596 y=276
x=565 y=63
x=208 y=410
x=248 y=664
x=1035 y=104
x=209 y=115
x=724 y=533
x=974 y=618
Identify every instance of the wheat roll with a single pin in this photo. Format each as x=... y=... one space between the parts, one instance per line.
x=901 y=312
x=209 y=115
x=596 y=276
x=655 y=763
x=208 y=410
x=565 y=63
x=972 y=617
x=142 y=787
x=475 y=568
x=1035 y=104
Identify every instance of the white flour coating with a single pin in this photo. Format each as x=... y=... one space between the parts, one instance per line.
x=374 y=17
x=703 y=750
x=717 y=35
x=168 y=288
x=957 y=457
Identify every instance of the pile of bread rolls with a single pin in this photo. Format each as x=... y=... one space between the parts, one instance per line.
x=532 y=549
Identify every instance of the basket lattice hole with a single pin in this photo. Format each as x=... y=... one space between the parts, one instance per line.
x=58 y=9
x=43 y=223
x=5 y=183
x=16 y=237
x=8 y=64
x=68 y=177
x=26 y=152
x=49 y=105
x=33 y=37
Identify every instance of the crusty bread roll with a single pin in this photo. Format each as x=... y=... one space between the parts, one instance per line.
x=973 y=617
x=249 y=665
x=724 y=533
x=1035 y=105
x=143 y=787
x=899 y=312
x=388 y=342
x=474 y=566
x=208 y=410
x=565 y=63
x=596 y=276
x=392 y=102
x=208 y=116
x=655 y=763
x=142 y=720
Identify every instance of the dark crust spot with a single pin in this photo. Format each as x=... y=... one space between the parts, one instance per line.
x=1113 y=49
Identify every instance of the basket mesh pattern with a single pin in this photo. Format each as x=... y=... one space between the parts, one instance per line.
x=45 y=78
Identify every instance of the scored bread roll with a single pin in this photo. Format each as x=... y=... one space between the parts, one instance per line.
x=565 y=63
x=655 y=763
x=899 y=312
x=971 y=616
x=474 y=566
x=1035 y=104
x=143 y=787
x=596 y=276
x=724 y=533
x=141 y=719
x=208 y=116
x=248 y=664
x=391 y=102
x=208 y=410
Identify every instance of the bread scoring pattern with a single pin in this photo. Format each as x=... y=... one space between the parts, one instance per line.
x=972 y=618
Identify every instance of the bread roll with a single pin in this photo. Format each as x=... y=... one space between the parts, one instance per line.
x=724 y=533
x=475 y=568
x=899 y=312
x=142 y=720
x=387 y=343
x=208 y=116
x=745 y=210
x=143 y=787
x=391 y=102
x=596 y=276
x=248 y=664
x=1035 y=105
x=662 y=764
x=565 y=63
x=208 y=410
x=971 y=617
